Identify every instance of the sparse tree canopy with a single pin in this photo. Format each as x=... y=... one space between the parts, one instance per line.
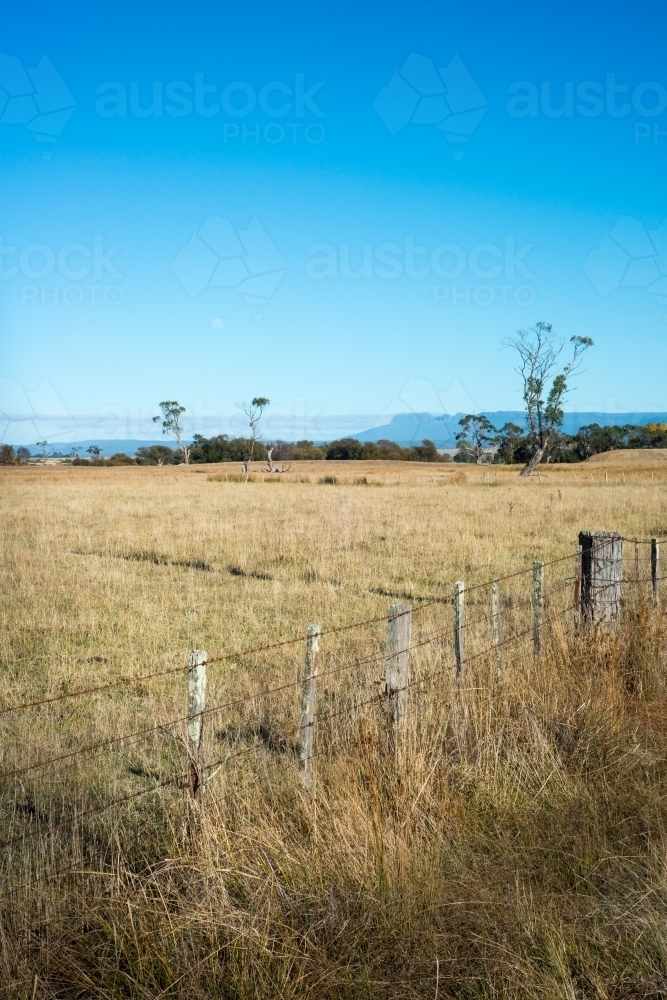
x=253 y=411
x=538 y=352
x=171 y=424
x=480 y=429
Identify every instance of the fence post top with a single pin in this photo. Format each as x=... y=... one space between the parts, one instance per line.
x=459 y=586
x=196 y=658
x=314 y=630
x=400 y=608
x=599 y=534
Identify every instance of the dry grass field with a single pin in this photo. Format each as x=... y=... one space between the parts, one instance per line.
x=516 y=847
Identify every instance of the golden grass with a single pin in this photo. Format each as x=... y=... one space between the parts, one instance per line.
x=517 y=851
x=649 y=458
x=650 y=465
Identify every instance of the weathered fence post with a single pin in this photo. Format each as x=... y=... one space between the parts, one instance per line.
x=577 y=587
x=601 y=576
x=196 y=707
x=497 y=629
x=459 y=627
x=538 y=605
x=308 y=694
x=397 y=667
x=655 y=570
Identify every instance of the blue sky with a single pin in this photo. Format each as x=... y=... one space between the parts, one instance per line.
x=213 y=202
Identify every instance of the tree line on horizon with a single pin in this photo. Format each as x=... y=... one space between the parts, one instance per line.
x=545 y=382
x=511 y=445
x=480 y=442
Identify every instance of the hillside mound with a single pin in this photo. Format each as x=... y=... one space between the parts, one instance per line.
x=630 y=456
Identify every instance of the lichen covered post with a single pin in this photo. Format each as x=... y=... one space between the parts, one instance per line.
x=308 y=695
x=196 y=707
x=601 y=577
x=397 y=667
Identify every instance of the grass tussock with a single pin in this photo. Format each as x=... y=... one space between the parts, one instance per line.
x=512 y=844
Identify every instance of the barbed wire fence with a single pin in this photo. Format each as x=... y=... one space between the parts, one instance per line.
x=596 y=585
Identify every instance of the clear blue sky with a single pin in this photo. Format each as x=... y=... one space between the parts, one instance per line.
x=189 y=191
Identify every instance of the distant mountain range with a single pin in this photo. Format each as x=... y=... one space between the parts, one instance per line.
x=404 y=429
x=411 y=428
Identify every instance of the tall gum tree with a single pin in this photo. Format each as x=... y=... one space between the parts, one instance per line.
x=539 y=352
x=253 y=411
x=170 y=415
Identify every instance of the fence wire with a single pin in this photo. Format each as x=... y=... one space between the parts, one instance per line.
x=511 y=611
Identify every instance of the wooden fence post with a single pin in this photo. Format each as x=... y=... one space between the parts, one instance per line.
x=577 y=587
x=196 y=706
x=497 y=629
x=459 y=627
x=397 y=666
x=655 y=570
x=308 y=695
x=538 y=605
x=601 y=576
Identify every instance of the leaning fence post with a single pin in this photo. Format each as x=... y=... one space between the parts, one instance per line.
x=655 y=570
x=397 y=666
x=497 y=631
x=459 y=626
x=196 y=707
x=601 y=576
x=538 y=605
x=308 y=694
